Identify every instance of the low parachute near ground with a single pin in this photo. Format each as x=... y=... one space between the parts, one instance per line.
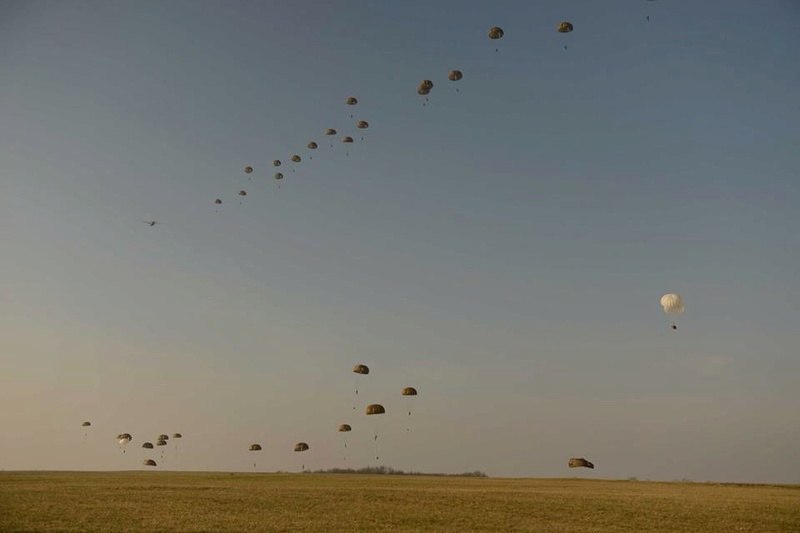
x=149 y=462
x=577 y=462
x=300 y=447
x=124 y=439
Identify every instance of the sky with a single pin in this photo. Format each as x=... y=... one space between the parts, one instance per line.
x=502 y=248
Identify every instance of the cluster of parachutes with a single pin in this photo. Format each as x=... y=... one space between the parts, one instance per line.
x=124 y=439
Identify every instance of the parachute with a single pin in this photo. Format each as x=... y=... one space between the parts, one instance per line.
x=255 y=447
x=455 y=75
x=123 y=439
x=218 y=201
x=351 y=100
x=278 y=176
x=565 y=27
x=362 y=124
x=409 y=391
x=496 y=33
x=163 y=437
x=242 y=193
x=673 y=305
x=576 y=462
x=312 y=145
x=345 y=427
x=177 y=436
x=300 y=447
x=149 y=462
x=161 y=442
x=296 y=158
x=361 y=369
x=375 y=409
x=330 y=131
x=276 y=163
x=86 y=424
x=148 y=445
x=347 y=139
x=248 y=170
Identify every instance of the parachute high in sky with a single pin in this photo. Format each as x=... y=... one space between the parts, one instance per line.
x=86 y=424
x=565 y=27
x=248 y=170
x=673 y=305
x=148 y=445
x=177 y=436
x=276 y=163
x=576 y=462
x=255 y=447
x=362 y=124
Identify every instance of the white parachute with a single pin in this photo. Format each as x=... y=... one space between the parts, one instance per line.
x=673 y=305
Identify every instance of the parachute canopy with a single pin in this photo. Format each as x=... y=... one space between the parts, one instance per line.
x=149 y=462
x=362 y=124
x=177 y=436
x=255 y=447
x=565 y=27
x=148 y=445
x=278 y=176
x=409 y=391
x=218 y=201
x=351 y=100
x=330 y=131
x=424 y=87
x=161 y=442
x=248 y=170
x=163 y=437
x=672 y=304
x=86 y=424
x=576 y=462
x=347 y=139
x=496 y=33
x=242 y=193
x=296 y=158
x=361 y=369
x=345 y=427
x=124 y=437
x=312 y=145
x=455 y=75
x=276 y=163
x=300 y=447
x=375 y=409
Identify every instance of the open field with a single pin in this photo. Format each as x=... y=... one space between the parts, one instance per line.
x=173 y=501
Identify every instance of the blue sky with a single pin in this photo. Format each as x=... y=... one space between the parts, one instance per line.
x=502 y=248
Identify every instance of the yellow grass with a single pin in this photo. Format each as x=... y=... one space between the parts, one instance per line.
x=171 y=501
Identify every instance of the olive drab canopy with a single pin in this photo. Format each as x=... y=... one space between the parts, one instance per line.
x=300 y=447
x=565 y=27
x=296 y=158
x=375 y=409
x=455 y=75
x=86 y=424
x=409 y=391
x=218 y=201
x=276 y=163
x=345 y=427
x=362 y=124
x=149 y=462
x=242 y=193
x=347 y=139
x=148 y=445
x=177 y=436
x=278 y=175
x=576 y=462
x=496 y=33
x=255 y=447
x=248 y=170
x=330 y=131
x=312 y=145
x=361 y=369
x=351 y=100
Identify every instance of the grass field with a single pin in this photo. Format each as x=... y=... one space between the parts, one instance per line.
x=172 y=501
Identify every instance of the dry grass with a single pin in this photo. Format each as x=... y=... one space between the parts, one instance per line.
x=170 y=501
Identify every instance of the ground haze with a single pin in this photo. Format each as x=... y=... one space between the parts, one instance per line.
x=167 y=501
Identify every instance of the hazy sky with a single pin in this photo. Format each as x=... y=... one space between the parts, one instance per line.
x=502 y=249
